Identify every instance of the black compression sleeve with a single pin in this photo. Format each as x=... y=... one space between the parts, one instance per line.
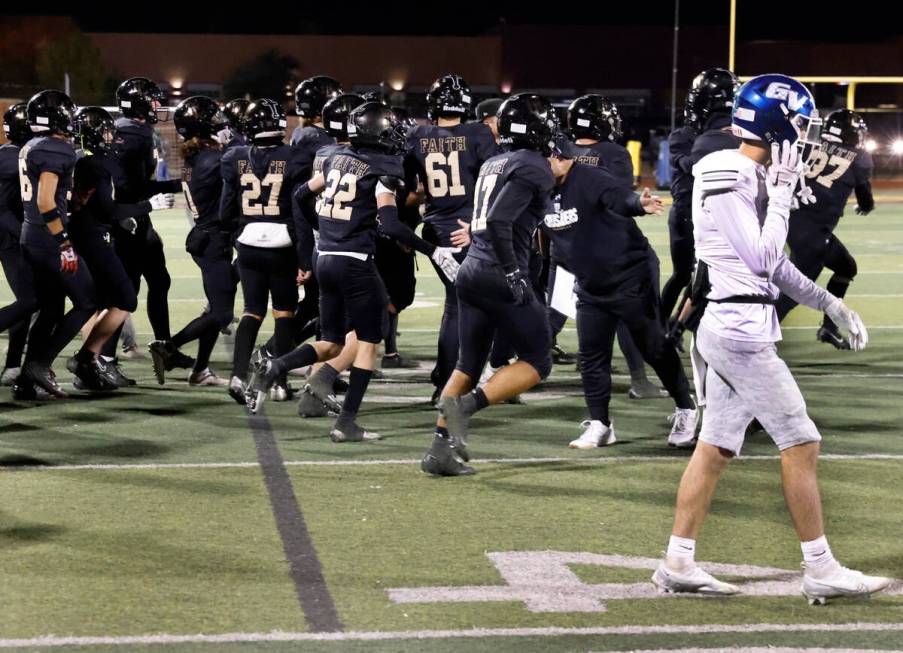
x=390 y=225
x=510 y=203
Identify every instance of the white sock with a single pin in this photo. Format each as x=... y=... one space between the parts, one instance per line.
x=817 y=556
x=681 y=553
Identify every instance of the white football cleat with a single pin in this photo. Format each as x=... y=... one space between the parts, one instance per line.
x=596 y=434
x=695 y=581
x=843 y=582
x=683 y=427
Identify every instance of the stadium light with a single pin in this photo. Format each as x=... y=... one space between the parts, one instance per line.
x=397 y=84
x=897 y=147
x=871 y=145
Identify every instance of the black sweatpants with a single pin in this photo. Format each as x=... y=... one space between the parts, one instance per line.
x=598 y=318
x=16 y=317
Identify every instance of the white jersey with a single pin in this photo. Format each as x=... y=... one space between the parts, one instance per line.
x=742 y=242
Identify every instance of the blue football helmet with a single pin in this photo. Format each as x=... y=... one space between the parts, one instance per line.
x=774 y=109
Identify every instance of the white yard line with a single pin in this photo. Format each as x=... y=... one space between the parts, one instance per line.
x=372 y=636
x=576 y=458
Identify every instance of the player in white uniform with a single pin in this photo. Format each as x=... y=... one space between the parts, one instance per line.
x=741 y=207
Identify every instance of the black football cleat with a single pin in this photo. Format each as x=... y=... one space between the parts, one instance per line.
x=263 y=376
x=457 y=422
x=443 y=459
x=832 y=336
x=91 y=375
x=160 y=358
x=180 y=360
x=43 y=377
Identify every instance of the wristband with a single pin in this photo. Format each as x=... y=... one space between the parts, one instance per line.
x=52 y=214
x=61 y=237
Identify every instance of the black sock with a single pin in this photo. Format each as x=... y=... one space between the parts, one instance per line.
x=245 y=337
x=301 y=357
x=84 y=355
x=474 y=401
x=194 y=330
x=599 y=413
x=109 y=347
x=325 y=376
x=442 y=432
x=282 y=336
x=357 y=386
x=391 y=332
x=205 y=347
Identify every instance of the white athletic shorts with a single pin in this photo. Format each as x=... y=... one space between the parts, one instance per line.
x=747 y=380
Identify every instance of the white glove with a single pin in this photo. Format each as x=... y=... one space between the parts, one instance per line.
x=850 y=322
x=161 y=201
x=782 y=175
x=443 y=257
x=223 y=136
x=806 y=194
x=129 y=224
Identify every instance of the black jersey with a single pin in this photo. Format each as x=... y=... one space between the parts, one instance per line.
x=236 y=140
x=531 y=174
x=347 y=209
x=592 y=231
x=447 y=161
x=39 y=155
x=308 y=140
x=202 y=184
x=605 y=154
x=95 y=205
x=133 y=146
x=835 y=174
x=680 y=151
x=10 y=196
x=715 y=136
x=258 y=183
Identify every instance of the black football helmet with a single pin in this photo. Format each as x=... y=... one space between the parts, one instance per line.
x=51 y=112
x=199 y=117
x=136 y=97
x=235 y=114
x=712 y=91
x=594 y=116
x=335 y=114
x=487 y=108
x=845 y=127
x=265 y=120
x=375 y=125
x=527 y=122
x=93 y=129
x=15 y=124
x=313 y=93
x=448 y=97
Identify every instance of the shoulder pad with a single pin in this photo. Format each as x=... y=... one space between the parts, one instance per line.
x=721 y=171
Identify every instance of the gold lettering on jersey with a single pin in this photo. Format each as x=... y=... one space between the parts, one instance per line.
x=348 y=164
x=275 y=167
x=494 y=167
x=443 y=145
x=587 y=159
x=838 y=150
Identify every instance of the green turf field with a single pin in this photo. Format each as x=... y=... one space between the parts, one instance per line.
x=164 y=519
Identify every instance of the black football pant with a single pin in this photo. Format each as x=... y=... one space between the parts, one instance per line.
x=16 y=317
x=683 y=253
x=53 y=329
x=220 y=280
x=814 y=247
x=487 y=309
x=598 y=319
x=448 y=346
x=143 y=256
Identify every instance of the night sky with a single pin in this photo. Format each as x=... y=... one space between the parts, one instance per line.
x=862 y=21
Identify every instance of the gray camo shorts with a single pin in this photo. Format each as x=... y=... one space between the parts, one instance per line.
x=747 y=380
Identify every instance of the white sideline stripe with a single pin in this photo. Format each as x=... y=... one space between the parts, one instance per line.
x=412 y=461
x=279 y=636
x=755 y=649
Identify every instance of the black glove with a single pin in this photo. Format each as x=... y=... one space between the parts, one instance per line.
x=520 y=287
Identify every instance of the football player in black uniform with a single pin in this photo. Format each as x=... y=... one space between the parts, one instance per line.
x=446 y=157
x=511 y=197
x=137 y=242
x=842 y=167
x=46 y=165
x=359 y=183
x=94 y=212
x=258 y=182
x=594 y=124
x=15 y=317
x=205 y=131
x=311 y=96
x=680 y=218
x=485 y=112
x=596 y=237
